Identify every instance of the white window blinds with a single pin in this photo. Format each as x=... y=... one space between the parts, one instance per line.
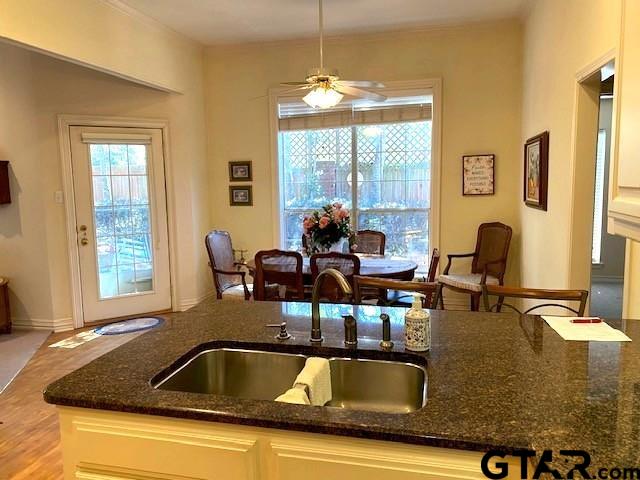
x=598 y=204
x=294 y=114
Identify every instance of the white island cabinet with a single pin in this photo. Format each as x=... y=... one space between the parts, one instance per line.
x=104 y=445
x=624 y=191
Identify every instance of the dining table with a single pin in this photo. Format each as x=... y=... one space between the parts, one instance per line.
x=382 y=266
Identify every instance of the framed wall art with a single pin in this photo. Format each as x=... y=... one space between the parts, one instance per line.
x=478 y=174
x=240 y=171
x=240 y=196
x=536 y=171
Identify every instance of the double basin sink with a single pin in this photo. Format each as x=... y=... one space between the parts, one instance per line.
x=356 y=383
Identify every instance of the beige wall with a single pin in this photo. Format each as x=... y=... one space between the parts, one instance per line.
x=631 y=306
x=480 y=68
x=96 y=34
x=560 y=39
x=34 y=89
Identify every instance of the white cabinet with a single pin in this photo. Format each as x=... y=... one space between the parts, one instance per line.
x=111 y=445
x=624 y=187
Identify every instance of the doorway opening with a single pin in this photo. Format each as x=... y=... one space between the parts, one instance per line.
x=608 y=251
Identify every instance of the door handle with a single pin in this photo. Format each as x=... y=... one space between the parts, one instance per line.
x=84 y=241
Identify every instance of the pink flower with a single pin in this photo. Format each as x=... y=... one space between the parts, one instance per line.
x=342 y=214
x=324 y=221
x=337 y=205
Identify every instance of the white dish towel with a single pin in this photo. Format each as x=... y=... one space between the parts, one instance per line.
x=294 y=395
x=316 y=375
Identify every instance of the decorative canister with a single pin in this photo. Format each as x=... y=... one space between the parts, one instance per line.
x=417 y=327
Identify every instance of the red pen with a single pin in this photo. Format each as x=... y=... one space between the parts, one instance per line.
x=587 y=320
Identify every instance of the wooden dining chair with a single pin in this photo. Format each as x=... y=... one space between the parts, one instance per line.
x=404 y=299
x=488 y=265
x=404 y=290
x=229 y=281
x=370 y=242
x=553 y=296
x=346 y=263
x=278 y=276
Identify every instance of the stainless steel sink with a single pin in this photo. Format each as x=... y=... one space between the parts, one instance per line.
x=375 y=385
x=236 y=373
x=357 y=384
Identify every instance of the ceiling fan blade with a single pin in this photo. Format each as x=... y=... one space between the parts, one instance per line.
x=293 y=84
x=306 y=86
x=358 y=92
x=360 y=83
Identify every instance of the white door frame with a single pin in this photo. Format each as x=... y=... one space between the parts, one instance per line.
x=64 y=123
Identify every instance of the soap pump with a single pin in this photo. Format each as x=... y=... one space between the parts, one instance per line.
x=417 y=327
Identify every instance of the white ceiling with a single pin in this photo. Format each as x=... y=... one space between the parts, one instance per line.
x=235 y=21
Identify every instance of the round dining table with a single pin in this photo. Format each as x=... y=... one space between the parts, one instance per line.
x=382 y=266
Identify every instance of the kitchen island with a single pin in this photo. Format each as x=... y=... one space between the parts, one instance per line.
x=495 y=382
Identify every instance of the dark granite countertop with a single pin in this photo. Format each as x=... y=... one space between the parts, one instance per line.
x=494 y=380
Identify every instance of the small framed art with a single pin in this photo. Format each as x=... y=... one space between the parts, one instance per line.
x=240 y=171
x=478 y=174
x=536 y=171
x=240 y=196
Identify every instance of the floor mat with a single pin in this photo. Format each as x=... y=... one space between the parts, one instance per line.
x=128 y=326
x=16 y=349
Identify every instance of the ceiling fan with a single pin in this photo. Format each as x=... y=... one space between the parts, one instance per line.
x=326 y=87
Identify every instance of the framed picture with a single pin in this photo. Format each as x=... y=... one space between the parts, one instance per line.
x=478 y=174
x=240 y=171
x=240 y=196
x=536 y=171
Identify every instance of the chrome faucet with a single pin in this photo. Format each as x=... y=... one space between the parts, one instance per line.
x=343 y=283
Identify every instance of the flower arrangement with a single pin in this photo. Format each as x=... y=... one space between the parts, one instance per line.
x=326 y=228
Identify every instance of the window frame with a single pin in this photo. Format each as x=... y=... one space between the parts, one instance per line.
x=431 y=87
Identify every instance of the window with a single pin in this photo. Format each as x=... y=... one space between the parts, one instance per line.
x=598 y=204
x=380 y=170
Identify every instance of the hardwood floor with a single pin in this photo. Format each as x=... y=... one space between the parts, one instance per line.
x=29 y=434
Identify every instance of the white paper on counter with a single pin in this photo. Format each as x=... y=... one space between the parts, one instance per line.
x=585 y=332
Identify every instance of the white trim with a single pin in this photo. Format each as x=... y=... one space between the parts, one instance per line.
x=406 y=87
x=581 y=76
x=56 y=324
x=146 y=19
x=188 y=303
x=64 y=124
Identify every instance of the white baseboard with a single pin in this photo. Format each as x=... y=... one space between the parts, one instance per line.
x=55 y=325
x=188 y=303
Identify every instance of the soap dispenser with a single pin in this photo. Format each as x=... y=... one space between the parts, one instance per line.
x=417 y=327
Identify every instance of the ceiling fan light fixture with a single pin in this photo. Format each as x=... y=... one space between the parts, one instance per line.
x=322 y=97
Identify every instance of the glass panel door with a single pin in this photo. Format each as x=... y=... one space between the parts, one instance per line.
x=121 y=219
x=121 y=216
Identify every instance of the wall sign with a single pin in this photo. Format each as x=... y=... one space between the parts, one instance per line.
x=478 y=174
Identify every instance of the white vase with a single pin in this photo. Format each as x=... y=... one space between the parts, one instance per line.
x=341 y=246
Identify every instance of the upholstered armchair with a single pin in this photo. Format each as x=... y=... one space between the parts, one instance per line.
x=229 y=281
x=488 y=264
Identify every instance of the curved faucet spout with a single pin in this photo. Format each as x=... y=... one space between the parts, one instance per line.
x=343 y=283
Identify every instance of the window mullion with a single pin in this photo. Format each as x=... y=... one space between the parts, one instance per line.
x=354 y=177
